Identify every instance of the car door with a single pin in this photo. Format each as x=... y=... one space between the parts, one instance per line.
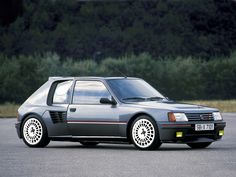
x=58 y=101
x=86 y=116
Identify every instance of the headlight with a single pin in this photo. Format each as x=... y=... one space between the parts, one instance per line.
x=217 y=116
x=176 y=117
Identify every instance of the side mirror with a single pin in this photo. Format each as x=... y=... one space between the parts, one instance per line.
x=108 y=101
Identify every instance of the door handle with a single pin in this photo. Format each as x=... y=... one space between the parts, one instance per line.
x=72 y=109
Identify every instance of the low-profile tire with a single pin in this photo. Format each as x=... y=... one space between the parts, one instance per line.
x=34 y=132
x=89 y=143
x=144 y=133
x=199 y=145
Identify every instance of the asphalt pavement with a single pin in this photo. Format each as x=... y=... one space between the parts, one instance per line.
x=70 y=159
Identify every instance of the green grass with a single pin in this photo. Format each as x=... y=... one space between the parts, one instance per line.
x=222 y=105
x=10 y=110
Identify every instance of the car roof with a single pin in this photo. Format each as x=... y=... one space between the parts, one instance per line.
x=89 y=78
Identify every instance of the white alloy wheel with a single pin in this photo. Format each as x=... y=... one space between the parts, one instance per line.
x=33 y=131
x=143 y=133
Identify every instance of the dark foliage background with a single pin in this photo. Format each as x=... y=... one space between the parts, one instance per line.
x=203 y=28
x=184 y=48
x=179 y=78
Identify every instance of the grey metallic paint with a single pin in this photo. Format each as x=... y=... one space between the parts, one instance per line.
x=103 y=121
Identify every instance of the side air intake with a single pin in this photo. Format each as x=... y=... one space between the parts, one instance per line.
x=58 y=116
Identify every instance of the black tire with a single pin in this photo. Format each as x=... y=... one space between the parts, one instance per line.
x=144 y=133
x=89 y=143
x=199 y=145
x=34 y=132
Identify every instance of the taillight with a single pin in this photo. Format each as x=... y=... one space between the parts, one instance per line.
x=18 y=117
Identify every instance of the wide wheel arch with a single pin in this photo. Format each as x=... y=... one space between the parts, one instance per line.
x=27 y=115
x=43 y=132
x=132 y=120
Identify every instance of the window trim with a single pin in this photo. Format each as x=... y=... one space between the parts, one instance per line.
x=72 y=97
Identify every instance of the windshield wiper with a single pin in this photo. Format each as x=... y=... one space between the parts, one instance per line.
x=154 y=98
x=144 y=98
x=134 y=98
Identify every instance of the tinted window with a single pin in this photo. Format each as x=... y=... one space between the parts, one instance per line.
x=62 y=92
x=131 y=88
x=89 y=92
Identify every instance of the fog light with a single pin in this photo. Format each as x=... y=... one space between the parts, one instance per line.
x=179 y=134
x=221 y=132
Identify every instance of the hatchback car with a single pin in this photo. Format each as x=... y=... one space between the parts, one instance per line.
x=91 y=110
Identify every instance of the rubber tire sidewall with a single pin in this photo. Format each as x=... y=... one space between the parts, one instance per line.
x=44 y=140
x=156 y=142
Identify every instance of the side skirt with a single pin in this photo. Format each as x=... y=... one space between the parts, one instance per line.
x=102 y=139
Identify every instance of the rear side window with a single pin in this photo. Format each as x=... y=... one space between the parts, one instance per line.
x=62 y=92
x=89 y=92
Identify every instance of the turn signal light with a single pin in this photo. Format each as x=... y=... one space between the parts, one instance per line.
x=171 y=117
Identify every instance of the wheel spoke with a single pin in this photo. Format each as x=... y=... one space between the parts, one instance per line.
x=143 y=133
x=33 y=131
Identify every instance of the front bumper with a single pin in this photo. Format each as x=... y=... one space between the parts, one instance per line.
x=17 y=126
x=167 y=131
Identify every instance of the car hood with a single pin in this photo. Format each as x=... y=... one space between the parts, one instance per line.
x=174 y=106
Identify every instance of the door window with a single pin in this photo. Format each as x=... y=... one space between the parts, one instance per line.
x=89 y=92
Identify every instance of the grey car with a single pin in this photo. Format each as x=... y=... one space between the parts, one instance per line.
x=91 y=110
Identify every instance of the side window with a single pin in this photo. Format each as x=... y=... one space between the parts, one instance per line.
x=89 y=92
x=62 y=92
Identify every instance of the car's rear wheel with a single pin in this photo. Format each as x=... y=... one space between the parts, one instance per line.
x=34 y=132
x=89 y=143
x=144 y=133
x=199 y=145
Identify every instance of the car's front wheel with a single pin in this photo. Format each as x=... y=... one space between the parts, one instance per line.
x=34 y=132
x=144 y=133
x=199 y=145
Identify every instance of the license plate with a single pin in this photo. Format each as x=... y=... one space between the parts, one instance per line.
x=203 y=127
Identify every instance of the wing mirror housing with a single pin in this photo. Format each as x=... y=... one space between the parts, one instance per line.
x=108 y=101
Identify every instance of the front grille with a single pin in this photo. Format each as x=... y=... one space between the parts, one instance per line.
x=58 y=116
x=199 y=116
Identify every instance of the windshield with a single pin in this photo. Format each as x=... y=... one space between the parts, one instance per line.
x=134 y=90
